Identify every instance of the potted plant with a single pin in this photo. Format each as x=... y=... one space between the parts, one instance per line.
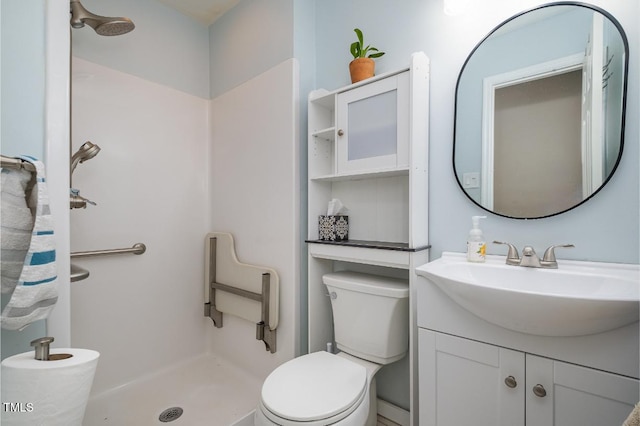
x=362 y=66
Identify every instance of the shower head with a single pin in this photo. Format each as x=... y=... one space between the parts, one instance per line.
x=86 y=152
x=101 y=24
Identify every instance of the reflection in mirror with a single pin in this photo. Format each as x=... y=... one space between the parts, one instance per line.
x=540 y=111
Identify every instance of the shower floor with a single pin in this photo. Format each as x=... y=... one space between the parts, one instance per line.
x=211 y=392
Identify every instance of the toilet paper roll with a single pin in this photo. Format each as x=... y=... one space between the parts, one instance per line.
x=47 y=392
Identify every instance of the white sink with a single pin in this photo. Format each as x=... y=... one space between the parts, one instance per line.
x=576 y=299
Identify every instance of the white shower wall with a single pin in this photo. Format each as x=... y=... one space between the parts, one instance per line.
x=173 y=167
x=255 y=195
x=150 y=183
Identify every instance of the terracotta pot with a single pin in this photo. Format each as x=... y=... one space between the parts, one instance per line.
x=361 y=68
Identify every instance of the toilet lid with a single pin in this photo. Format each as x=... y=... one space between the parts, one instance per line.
x=313 y=387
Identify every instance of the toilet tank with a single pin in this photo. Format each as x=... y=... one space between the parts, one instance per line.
x=370 y=315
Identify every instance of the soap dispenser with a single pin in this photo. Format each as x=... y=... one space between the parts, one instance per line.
x=476 y=245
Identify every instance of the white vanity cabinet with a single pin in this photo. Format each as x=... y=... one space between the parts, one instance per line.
x=576 y=396
x=463 y=381
x=368 y=147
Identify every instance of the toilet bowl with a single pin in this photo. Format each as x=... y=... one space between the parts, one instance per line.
x=371 y=329
x=319 y=389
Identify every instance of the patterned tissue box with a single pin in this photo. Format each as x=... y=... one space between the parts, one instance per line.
x=333 y=228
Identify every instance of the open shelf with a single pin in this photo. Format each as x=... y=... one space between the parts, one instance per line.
x=362 y=175
x=387 y=255
x=328 y=134
x=380 y=245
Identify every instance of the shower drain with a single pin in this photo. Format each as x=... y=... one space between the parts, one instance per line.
x=170 y=414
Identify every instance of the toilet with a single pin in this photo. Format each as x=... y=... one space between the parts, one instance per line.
x=371 y=328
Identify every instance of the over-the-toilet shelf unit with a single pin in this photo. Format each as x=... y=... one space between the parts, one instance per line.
x=368 y=147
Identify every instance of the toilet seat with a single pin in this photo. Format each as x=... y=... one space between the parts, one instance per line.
x=314 y=388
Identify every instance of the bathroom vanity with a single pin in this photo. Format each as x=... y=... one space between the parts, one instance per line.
x=512 y=345
x=473 y=371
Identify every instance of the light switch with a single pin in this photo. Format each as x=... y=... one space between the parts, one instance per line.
x=471 y=180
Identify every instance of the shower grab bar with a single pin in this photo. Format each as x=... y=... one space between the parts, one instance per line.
x=263 y=330
x=17 y=164
x=138 y=248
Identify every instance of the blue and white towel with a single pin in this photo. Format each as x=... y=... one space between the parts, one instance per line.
x=28 y=256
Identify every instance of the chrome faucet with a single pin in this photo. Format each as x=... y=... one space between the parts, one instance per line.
x=529 y=257
x=549 y=256
x=513 y=258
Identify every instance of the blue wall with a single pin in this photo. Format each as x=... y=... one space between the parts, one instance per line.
x=605 y=228
x=23 y=123
x=251 y=38
x=166 y=47
x=396 y=28
x=23 y=77
x=171 y=49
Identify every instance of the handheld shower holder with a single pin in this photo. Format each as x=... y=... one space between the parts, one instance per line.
x=77 y=201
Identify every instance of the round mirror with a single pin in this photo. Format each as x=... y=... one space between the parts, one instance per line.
x=540 y=106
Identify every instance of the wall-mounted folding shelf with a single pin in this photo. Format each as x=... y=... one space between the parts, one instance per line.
x=246 y=291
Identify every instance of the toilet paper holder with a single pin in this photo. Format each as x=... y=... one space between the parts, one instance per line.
x=42 y=345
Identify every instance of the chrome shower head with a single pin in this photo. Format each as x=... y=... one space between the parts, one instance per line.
x=86 y=152
x=102 y=25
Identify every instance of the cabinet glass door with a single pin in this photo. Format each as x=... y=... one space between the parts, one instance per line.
x=373 y=126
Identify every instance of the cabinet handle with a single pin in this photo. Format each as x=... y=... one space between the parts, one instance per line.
x=510 y=382
x=539 y=391
x=340 y=132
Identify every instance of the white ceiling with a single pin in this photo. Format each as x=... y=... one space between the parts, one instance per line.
x=203 y=11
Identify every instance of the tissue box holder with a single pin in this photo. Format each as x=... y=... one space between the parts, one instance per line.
x=333 y=228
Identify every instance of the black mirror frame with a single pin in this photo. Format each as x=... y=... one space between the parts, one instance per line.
x=623 y=110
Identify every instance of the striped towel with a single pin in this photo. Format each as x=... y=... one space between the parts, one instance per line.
x=29 y=270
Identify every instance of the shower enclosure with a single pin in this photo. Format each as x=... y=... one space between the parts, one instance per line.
x=144 y=314
x=175 y=165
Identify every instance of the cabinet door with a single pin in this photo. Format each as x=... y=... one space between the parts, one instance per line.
x=373 y=126
x=463 y=382
x=570 y=395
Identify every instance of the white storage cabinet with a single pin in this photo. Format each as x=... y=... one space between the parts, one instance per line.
x=463 y=381
x=368 y=147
